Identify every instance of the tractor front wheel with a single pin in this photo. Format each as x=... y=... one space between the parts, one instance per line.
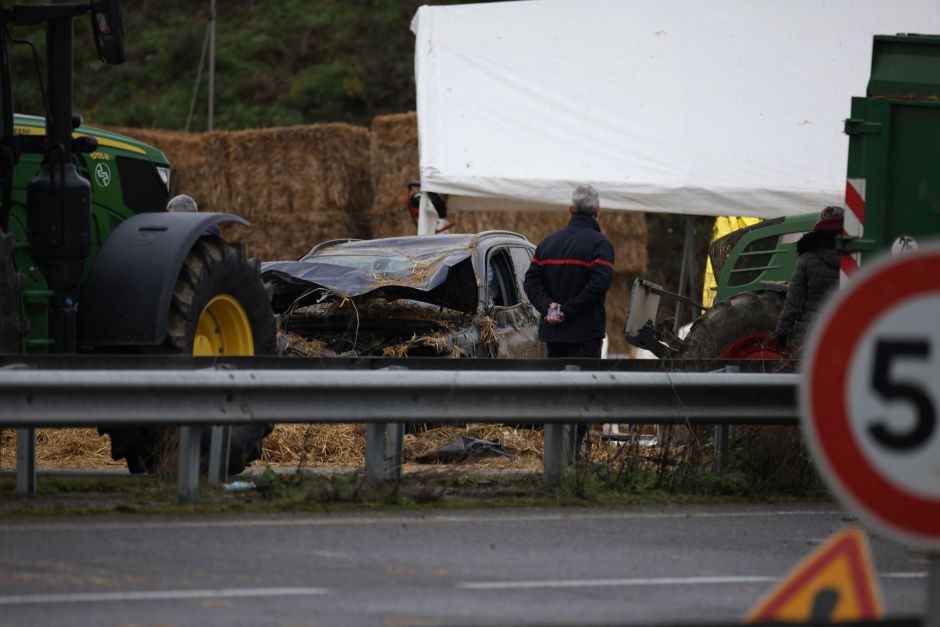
x=741 y=327
x=219 y=308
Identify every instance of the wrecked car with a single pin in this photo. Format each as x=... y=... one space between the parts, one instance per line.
x=434 y=295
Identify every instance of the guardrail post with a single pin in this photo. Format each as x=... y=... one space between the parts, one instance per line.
x=723 y=436
x=26 y=461
x=187 y=489
x=220 y=437
x=394 y=436
x=384 y=451
x=384 y=447
x=559 y=448
x=554 y=453
x=375 y=451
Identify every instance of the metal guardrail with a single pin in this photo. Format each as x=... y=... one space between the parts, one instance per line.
x=386 y=397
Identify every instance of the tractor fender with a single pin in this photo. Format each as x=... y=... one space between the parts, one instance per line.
x=772 y=286
x=125 y=300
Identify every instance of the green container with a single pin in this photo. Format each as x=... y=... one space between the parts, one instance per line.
x=894 y=147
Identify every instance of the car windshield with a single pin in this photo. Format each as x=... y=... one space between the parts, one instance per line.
x=399 y=267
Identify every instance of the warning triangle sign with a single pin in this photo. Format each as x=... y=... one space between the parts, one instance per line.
x=836 y=582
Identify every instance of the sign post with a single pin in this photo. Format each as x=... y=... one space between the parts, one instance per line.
x=870 y=398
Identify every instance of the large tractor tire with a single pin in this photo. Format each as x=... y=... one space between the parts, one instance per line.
x=10 y=324
x=741 y=327
x=219 y=308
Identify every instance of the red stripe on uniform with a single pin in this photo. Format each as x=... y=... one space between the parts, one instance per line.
x=573 y=262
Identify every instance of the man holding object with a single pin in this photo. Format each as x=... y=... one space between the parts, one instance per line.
x=569 y=278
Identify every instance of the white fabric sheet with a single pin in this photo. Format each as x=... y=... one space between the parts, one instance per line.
x=709 y=107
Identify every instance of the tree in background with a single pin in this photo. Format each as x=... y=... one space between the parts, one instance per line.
x=277 y=64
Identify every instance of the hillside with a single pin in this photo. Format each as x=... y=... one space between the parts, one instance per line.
x=277 y=64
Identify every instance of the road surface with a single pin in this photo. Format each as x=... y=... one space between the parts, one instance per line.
x=688 y=564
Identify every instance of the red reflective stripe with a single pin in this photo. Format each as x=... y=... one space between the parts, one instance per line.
x=573 y=262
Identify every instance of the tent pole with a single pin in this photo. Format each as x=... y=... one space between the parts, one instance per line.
x=684 y=272
x=210 y=115
x=427 y=216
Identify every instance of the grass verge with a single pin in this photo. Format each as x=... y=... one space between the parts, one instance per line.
x=583 y=485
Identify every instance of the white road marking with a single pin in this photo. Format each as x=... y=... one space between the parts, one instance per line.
x=916 y=575
x=640 y=581
x=154 y=595
x=345 y=521
x=593 y=583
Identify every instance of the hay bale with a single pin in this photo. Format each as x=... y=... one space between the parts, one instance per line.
x=618 y=298
x=625 y=229
x=298 y=186
x=185 y=154
x=62 y=449
x=393 y=156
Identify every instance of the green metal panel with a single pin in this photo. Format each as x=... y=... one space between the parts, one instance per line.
x=905 y=67
x=912 y=198
x=749 y=270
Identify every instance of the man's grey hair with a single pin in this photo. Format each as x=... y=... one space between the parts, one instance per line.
x=182 y=203
x=585 y=200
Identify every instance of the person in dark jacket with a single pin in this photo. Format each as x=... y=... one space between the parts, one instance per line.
x=568 y=280
x=815 y=275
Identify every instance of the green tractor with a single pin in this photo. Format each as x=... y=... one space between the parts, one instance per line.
x=752 y=266
x=90 y=261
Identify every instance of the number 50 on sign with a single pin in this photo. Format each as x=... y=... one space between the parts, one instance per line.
x=871 y=396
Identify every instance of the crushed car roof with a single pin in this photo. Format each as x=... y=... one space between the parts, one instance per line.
x=436 y=269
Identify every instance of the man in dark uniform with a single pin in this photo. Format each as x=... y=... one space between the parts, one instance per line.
x=568 y=282
x=569 y=278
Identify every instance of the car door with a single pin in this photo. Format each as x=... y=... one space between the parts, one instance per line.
x=515 y=317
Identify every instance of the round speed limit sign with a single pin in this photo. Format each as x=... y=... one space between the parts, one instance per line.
x=870 y=395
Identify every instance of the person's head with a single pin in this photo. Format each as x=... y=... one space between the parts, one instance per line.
x=585 y=201
x=182 y=203
x=830 y=219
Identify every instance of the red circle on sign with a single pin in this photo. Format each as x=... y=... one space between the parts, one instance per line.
x=870 y=295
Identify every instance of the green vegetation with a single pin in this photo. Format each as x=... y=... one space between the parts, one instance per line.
x=277 y=63
x=588 y=484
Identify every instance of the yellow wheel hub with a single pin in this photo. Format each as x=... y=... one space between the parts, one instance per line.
x=223 y=329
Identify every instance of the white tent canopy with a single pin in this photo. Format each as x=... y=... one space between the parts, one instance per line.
x=707 y=107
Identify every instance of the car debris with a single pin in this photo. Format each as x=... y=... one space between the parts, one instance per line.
x=463 y=449
x=443 y=295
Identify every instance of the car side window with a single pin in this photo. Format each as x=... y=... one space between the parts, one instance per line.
x=501 y=284
x=521 y=260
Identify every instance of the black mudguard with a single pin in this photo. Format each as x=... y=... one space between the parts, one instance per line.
x=125 y=300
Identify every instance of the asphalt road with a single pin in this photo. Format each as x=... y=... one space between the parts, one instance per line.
x=688 y=564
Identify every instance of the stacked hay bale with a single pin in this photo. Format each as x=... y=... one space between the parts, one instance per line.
x=185 y=153
x=394 y=161
x=394 y=157
x=298 y=186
